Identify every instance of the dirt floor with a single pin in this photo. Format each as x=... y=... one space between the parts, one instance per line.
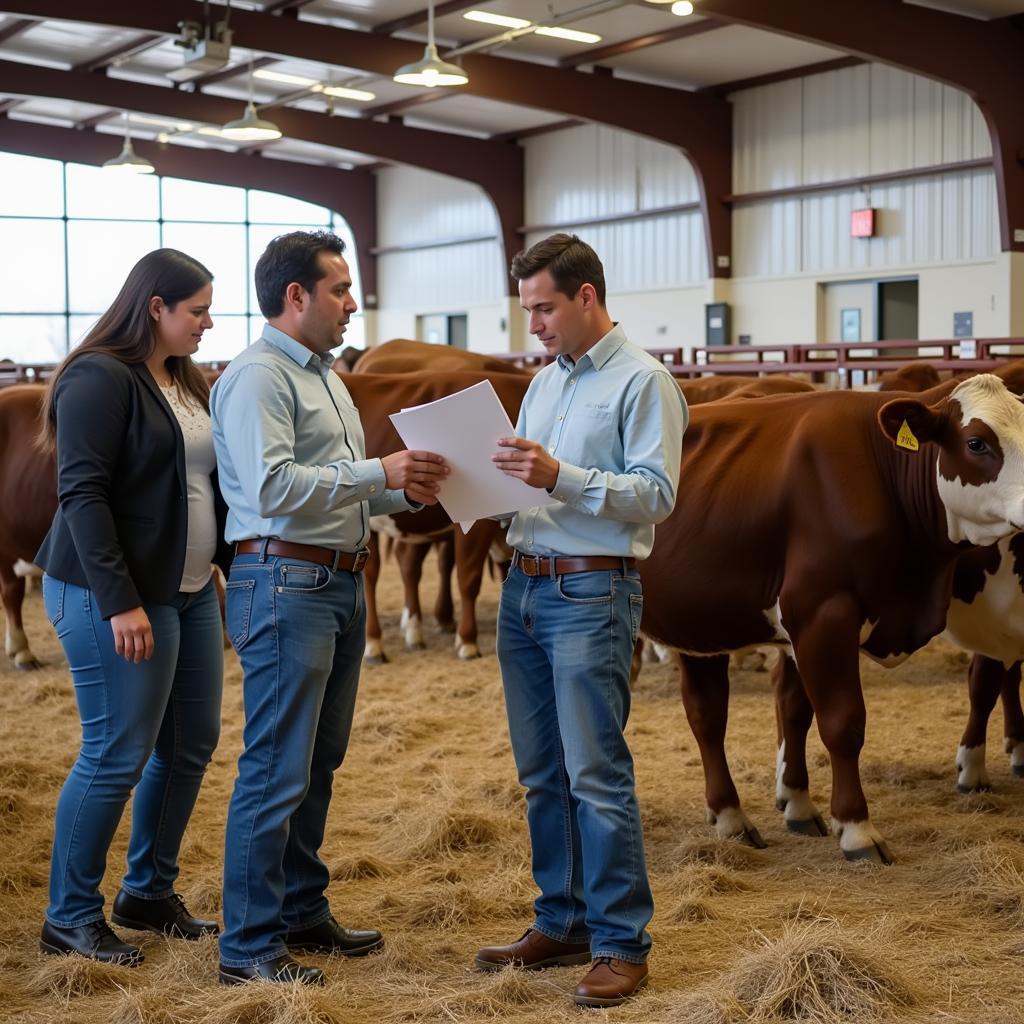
x=426 y=840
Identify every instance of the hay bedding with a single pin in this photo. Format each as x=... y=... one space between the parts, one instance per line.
x=426 y=840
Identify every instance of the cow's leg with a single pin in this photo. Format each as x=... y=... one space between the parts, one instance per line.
x=984 y=681
x=471 y=550
x=827 y=654
x=374 y=653
x=705 y=686
x=1013 y=718
x=410 y=558
x=793 y=717
x=12 y=591
x=444 y=606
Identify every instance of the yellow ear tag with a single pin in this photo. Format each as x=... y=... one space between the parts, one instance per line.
x=905 y=438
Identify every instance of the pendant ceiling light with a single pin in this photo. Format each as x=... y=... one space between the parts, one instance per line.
x=128 y=160
x=250 y=127
x=431 y=70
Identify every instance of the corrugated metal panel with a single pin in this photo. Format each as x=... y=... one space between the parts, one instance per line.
x=659 y=252
x=891 y=119
x=418 y=206
x=594 y=171
x=767 y=137
x=767 y=238
x=447 y=279
x=836 y=124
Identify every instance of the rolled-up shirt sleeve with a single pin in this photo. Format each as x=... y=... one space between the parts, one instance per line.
x=652 y=439
x=257 y=409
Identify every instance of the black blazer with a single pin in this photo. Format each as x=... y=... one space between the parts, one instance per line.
x=121 y=526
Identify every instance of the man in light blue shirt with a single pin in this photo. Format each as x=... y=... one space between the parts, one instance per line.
x=300 y=490
x=601 y=429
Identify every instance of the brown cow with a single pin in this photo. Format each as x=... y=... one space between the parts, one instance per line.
x=28 y=500
x=701 y=390
x=378 y=395
x=403 y=356
x=911 y=377
x=803 y=525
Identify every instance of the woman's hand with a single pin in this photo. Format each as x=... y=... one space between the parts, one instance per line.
x=133 y=635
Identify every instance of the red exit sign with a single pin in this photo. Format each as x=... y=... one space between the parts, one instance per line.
x=862 y=223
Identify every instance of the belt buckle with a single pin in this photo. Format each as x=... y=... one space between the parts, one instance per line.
x=361 y=558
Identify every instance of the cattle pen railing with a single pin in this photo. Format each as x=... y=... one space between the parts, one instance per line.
x=842 y=364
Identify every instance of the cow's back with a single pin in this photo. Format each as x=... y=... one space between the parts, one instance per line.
x=765 y=488
x=404 y=356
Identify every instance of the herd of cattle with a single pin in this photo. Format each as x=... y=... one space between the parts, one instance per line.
x=826 y=524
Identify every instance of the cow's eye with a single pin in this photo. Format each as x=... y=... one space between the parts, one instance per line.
x=977 y=446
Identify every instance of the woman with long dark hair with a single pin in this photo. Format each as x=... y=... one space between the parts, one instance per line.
x=128 y=589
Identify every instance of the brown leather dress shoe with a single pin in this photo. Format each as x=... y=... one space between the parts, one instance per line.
x=533 y=952
x=610 y=982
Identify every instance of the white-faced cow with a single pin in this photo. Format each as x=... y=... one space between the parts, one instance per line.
x=827 y=524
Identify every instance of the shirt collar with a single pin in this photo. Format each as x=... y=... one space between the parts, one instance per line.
x=600 y=352
x=295 y=349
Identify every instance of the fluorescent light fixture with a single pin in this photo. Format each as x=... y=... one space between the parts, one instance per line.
x=682 y=8
x=250 y=127
x=210 y=130
x=430 y=70
x=128 y=161
x=345 y=93
x=161 y=122
x=487 y=18
x=280 y=76
x=567 y=33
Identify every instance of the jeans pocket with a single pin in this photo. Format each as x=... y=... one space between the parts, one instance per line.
x=238 y=611
x=636 y=613
x=53 y=599
x=302 y=578
x=585 y=587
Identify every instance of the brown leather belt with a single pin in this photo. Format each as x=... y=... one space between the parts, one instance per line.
x=538 y=565
x=334 y=560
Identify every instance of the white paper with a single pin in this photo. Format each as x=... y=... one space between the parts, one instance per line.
x=464 y=429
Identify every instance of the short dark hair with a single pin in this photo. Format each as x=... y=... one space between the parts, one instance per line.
x=570 y=262
x=288 y=258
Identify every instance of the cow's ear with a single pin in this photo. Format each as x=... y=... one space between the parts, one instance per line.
x=909 y=423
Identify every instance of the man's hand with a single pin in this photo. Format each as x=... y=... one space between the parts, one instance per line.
x=419 y=474
x=528 y=461
x=133 y=635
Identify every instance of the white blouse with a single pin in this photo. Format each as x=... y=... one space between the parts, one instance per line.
x=201 y=543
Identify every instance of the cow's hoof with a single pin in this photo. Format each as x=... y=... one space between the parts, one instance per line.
x=981 y=787
x=468 y=652
x=878 y=852
x=732 y=823
x=446 y=627
x=26 y=661
x=376 y=659
x=810 y=827
x=1018 y=770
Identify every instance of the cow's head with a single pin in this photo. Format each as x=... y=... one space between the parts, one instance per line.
x=979 y=431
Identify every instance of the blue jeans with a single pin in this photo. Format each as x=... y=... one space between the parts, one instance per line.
x=565 y=645
x=299 y=631
x=152 y=726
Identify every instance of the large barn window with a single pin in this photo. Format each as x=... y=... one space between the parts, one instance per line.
x=69 y=233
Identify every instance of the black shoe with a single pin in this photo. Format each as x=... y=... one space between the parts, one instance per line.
x=96 y=941
x=281 y=969
x=169 y=916
x=330 y=937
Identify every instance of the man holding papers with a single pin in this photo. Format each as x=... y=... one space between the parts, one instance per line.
x=601 y=431
x=300 y=492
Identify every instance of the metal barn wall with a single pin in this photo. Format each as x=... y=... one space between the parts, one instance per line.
x=842 y=124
